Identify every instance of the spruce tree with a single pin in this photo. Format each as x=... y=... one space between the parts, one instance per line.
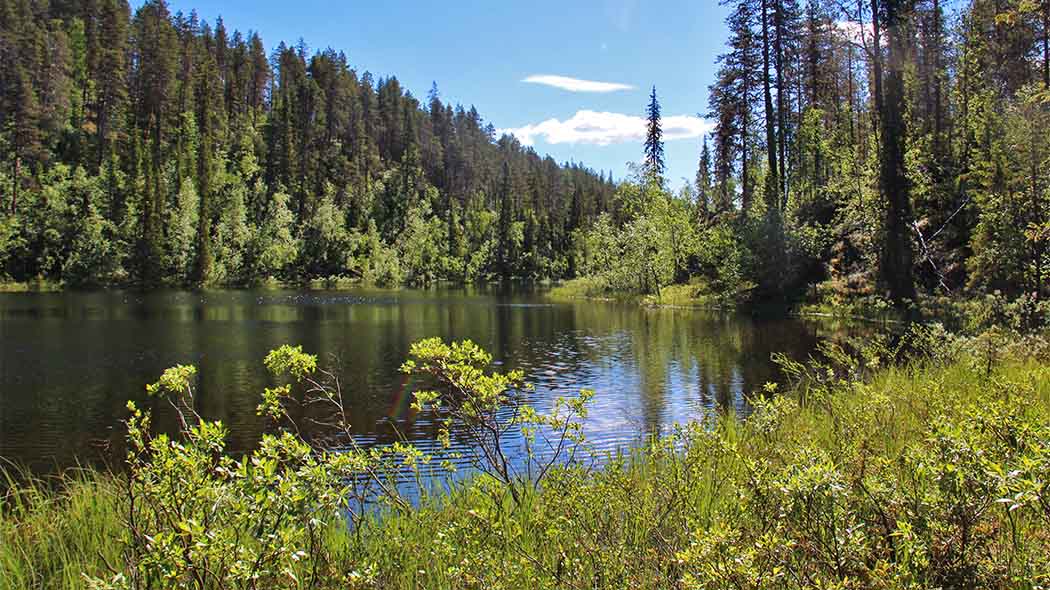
x=703 y=183
x=654 y=142
x=772 y=188
x=732 y=103
x=506 y=212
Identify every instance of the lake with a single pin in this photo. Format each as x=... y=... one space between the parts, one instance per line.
x=70 y=361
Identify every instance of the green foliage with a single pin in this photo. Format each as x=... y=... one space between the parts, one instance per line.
x=218 y=162
x=181 y=244
x=422 y=248
x=272 y=248
x=653 y=248
x=93 y=257
x=206 y=159
x=476 y=403
x=187 y=514
x=1011 y=241
x=724 y=260
x=864 y=473
x=326 y=241
x=377 y=263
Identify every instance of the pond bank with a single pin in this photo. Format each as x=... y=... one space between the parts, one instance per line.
x=929 y=474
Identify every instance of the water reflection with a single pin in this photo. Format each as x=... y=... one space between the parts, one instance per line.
x=70 y=361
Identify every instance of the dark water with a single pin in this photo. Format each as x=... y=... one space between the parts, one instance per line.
x=70 y=361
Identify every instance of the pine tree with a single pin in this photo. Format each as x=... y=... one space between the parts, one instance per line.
x=208 y=90
x=22 y=111
x=112 y=83
x=654 y=143
x=772 y=187
x=731 y=104
x=506 y=212
x=703 y=183
x=154 y=80
x=259 y=76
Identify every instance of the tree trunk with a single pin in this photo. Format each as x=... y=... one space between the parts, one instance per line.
x=1035 y=250
x=14 y=185
x=938 y=110
x=778 y=47
x=1046 y=43
x=850 y=93
x=772 y=188
x=745 y=190
x=897 y=255
x=103 y=131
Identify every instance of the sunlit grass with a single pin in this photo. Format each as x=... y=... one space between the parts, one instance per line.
x=694 y=294
x=53 y=533
x=832 y=463
x=34 y=286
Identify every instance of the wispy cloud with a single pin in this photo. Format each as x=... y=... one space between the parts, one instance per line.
x=577 y=85
x=621 y=12
x=603 y=128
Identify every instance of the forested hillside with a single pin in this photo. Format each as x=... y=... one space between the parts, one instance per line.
x=884 y=149
x=880 y=149
x=153 y=148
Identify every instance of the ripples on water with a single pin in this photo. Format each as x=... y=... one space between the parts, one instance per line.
x=70 y=361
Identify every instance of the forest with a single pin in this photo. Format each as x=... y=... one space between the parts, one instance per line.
x=153 y=148
x=886 y=150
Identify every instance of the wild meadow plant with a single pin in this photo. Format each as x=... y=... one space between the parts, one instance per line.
x=295 y=511
x=921 y=464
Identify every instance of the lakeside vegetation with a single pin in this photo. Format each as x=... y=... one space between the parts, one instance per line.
x=876 y=469
x=889 y=150
x=883 y=160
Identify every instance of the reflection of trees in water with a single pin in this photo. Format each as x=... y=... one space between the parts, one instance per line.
x=728 y=357
x=92 y=352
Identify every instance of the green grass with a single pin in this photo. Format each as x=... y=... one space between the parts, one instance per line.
x=693 y=295
x=933 y=474
x=35 y=286
x=52 y=533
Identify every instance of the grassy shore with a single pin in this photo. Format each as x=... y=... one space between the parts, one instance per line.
x=934 y=473
x=37 y=286
x=686 y=295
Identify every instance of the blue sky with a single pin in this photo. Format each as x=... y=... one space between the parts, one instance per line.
x=481 y=52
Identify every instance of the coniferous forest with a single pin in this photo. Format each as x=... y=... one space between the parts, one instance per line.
x=882 y=149
x=152 y=148
x=870 y=151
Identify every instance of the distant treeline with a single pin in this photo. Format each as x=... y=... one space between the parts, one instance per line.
x=882 y=149
x=154 y=148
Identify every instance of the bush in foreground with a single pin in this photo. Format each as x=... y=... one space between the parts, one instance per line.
x=866 y=474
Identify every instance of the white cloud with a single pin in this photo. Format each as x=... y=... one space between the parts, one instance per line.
x=603 y=128
x=577 y=85
x=857 y=33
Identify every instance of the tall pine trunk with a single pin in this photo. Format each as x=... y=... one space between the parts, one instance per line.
x=772 y=188
x=896 y=263
x=14 y=184
x=1046 y=43
x=938 y=109
x=778 y=47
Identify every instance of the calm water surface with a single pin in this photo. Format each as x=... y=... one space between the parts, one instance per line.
x=70 y=361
